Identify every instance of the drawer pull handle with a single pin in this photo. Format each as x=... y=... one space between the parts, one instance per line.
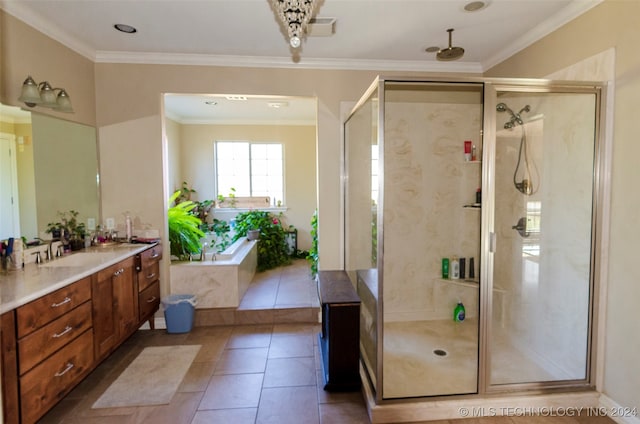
x=118 y=272
x=151 y=299
x=66 y=300
x=65 y=331
x=150 y=276
x=155 y=255
x=64 y=371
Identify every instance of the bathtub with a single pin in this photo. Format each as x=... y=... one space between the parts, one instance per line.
x=221 y=279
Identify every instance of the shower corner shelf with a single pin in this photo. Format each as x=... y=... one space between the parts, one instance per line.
x=461 y=282
x=472 y=161
x=473 y=206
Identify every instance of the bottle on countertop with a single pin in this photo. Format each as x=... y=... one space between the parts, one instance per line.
x=129 y=227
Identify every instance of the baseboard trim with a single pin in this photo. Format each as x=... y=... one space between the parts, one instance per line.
x=619 y=413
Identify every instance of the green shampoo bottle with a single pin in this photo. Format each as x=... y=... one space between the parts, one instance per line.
x=458 y=312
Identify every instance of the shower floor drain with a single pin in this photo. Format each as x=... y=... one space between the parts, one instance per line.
x=440 y=352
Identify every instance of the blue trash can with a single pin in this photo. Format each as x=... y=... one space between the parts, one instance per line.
x=178 y=312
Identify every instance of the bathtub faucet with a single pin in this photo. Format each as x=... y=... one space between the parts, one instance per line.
x=203 y=252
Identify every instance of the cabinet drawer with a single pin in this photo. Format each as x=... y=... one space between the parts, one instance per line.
x=149 y=300
x=47 y=383
x=116 y=269
x=150 y=256
x=148 y=275
x=35 y=314
x=43 y=342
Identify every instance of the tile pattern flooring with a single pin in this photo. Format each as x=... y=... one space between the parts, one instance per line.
x=252 y=373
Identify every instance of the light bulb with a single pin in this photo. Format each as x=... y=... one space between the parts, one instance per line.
x=295 y=42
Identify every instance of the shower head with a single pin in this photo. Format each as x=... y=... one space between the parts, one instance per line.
x=450 y=53
x=527 y=108
x=515 y=117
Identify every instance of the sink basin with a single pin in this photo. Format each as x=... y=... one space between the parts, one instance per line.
x=81 y=259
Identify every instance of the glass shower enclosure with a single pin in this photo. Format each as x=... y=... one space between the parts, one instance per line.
x=480 y=197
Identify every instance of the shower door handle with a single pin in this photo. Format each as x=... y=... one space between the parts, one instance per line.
x=521 y=227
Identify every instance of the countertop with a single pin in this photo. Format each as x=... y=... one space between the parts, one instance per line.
x=19 y=287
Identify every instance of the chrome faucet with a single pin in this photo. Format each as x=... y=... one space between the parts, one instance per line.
x=203 y=252
x=38 y=257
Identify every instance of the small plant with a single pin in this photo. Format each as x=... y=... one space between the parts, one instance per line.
x=312 y=256
x=272 y=246
x=231 y=198
x=221 y=229
x=184 y=228
x=68 y=227
x=201 y=209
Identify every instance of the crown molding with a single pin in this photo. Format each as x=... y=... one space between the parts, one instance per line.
x=284 y=62
x=26 y=15
x=569 y=13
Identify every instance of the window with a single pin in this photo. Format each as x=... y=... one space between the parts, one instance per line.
x=252 y=169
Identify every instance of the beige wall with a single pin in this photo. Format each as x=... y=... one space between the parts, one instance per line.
x=196 y=165
x=27 y=52
x=613 y=24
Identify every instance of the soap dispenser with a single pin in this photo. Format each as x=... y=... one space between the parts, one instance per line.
x=459 y=312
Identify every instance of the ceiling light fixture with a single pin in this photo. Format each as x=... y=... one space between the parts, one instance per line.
x=128 y=29
x=295 y=15
x=474 y=6
x=41 y=94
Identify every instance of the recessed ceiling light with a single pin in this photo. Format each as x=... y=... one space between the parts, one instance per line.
x=236 y=98
x=474 y=6
x=432 y=49
x=125 y=28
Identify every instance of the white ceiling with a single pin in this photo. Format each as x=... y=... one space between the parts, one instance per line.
x=369 y=34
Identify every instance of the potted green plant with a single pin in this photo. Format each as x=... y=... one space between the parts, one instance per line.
x=68 y=230
x=184 y=228
x=272 y=244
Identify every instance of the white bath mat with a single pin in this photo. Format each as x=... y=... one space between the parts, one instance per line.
x=151 y=379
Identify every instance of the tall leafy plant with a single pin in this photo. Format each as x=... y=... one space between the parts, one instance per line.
x=272 y=246
x=312 y=257
x=184 y=228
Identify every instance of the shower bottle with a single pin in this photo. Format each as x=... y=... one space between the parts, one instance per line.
x=458 y=312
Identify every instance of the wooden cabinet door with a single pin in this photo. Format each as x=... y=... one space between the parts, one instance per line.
x=115 y=306
x=125 y=296
x=104 y=323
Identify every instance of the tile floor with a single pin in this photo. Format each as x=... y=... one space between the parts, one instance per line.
x=253 y=373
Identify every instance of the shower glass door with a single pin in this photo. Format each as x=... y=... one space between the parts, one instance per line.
x=544 y=176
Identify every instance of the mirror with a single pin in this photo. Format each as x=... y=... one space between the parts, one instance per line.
x=47 y=165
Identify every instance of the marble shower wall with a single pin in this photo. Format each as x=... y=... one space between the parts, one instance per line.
x=427 y=183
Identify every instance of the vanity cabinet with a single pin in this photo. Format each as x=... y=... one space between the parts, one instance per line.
x=54 y=347
x=51 y=343
x=115 y=306
x=148 y=267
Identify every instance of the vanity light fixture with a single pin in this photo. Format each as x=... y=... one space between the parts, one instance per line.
x=295 y=15
x=42 y=94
